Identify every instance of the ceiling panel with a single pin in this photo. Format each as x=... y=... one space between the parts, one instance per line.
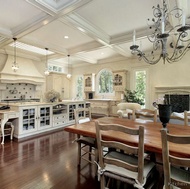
x=98 y=30
x=15 y=13
x=115 y=17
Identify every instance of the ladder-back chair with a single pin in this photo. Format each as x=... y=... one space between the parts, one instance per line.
x=125 y=163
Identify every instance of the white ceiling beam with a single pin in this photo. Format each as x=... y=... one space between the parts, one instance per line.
x=84 y=58
x=87 y=28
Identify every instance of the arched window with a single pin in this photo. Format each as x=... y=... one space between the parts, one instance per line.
x=105 y=81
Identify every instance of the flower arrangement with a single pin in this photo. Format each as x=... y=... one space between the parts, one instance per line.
x=52 y=95
x=161 y=100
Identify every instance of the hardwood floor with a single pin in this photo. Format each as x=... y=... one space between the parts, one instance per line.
x=48 y=161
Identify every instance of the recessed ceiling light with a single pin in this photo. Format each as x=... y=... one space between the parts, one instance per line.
x=66 y=37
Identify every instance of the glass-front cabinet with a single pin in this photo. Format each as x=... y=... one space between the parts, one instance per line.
x=89 y=82
x=28 y=121
x=35 y=118
x=119 y=80
x=44 y=113
x=71 y=112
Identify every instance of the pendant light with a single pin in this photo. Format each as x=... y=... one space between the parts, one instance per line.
x=46 y=70
x=68 y=74
x=15 y=66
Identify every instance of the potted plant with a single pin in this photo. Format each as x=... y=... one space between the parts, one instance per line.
x=131 y=96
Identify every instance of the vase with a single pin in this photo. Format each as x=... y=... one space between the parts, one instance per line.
x=165 y=111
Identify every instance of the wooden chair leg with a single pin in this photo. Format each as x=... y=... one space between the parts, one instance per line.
x=102 y=182
x=90 y=150
x=79 y=153
x=96 y=159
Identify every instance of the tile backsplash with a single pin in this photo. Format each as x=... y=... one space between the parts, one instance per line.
x=19 y=91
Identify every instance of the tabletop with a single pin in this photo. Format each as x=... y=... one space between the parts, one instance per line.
x=152 y=138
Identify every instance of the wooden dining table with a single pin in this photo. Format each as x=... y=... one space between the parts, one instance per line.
x=152 y=138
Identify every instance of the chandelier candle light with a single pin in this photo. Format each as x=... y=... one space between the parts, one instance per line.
x=161 y=31
x=15 y=65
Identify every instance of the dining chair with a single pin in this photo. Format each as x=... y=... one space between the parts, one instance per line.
x=145 y=114
x=175 y=174
x=86 y=145
x=127 y=162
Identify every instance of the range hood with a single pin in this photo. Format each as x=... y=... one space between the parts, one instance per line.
x=27 y=72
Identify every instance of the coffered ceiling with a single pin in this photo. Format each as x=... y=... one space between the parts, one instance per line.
x=98 y=31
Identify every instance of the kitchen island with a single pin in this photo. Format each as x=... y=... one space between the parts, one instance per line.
x=39 y=117
x=107 y=107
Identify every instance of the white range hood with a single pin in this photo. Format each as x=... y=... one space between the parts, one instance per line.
x=27 y=72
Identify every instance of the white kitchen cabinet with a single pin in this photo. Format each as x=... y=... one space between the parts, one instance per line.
x=34 y=118
x=60 y=120
x=44 y=117
x=106 y=107
x=37 y=118
x=113 y=107
x=27 y=119
x=60 y=116
x=100 y=106
x=119 y=80
x=60 y=83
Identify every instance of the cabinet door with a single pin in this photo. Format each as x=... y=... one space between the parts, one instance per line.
x=28 y=120
x=60 y=83
x=65 y=88
x=71 y=112
x=57 y=83
x=44 y=117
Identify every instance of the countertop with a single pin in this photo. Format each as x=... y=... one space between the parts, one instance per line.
x=103 y=99
x=24 y=103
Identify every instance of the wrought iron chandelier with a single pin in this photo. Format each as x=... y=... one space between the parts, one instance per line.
x=15 y=66
x=161 y=30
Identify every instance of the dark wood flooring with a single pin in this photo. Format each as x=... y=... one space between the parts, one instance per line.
x=44 y=162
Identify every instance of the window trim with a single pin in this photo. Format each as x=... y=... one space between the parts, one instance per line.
x=133 y=84
x=97 y=84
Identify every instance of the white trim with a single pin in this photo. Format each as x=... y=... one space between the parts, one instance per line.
x=147 y=93
x=104 y=95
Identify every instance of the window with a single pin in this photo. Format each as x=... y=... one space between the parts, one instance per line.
x=141 y=84
x=105 y=81
x=80 y=87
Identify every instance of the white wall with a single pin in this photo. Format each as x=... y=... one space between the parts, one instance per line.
x=176 y=74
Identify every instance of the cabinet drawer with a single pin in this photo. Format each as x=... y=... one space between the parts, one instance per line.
x=58 y=123
x=12 y=115
x=58 y=117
